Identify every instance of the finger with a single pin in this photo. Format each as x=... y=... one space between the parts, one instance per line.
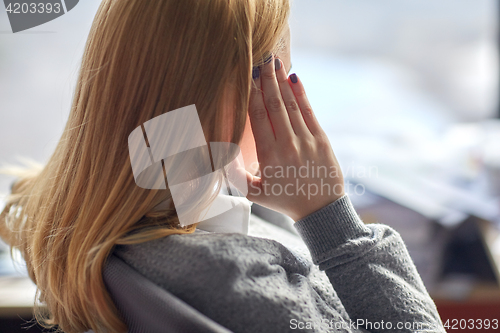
x=259 y=119
x=274 y=103
x=305 y=107
x=292 y=107
x=239 y=177
x=254 y=187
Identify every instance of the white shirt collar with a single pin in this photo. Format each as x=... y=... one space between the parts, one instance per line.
x=234 y=220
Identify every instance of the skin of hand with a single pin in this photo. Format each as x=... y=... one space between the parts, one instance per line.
x=288 y=141
x=247 y=144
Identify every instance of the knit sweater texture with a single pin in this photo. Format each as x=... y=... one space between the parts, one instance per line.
x=336 y=274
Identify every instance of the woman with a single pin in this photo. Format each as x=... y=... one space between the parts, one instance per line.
x=146 y=58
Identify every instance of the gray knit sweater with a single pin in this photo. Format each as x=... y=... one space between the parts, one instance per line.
x=340 y=275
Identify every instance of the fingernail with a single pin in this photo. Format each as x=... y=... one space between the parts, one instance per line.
x=268 y=59
x=255 y=72
x=293 y=77
x=277 y=64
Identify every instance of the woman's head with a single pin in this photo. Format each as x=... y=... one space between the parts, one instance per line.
x=142 y=59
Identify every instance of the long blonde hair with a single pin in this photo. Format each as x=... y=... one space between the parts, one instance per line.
x=142 y=59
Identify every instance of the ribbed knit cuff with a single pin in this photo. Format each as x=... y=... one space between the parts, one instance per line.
x=329 y=227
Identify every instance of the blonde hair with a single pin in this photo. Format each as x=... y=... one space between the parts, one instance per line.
x=142 y=59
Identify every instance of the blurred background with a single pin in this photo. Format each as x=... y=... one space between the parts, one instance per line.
x=408 y=92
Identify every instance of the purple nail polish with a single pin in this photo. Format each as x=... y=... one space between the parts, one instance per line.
x=255 y=72
x=293 y=77
x=277 y=64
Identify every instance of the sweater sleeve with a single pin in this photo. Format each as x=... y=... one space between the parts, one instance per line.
x=371 y=270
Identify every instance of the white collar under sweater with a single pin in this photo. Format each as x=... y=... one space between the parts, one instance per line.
x=232 y=221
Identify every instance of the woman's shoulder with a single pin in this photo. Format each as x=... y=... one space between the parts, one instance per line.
x=176 y=259
x=178 y=248
x=226 y=275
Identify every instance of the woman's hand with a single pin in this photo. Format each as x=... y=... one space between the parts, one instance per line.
x=299 y=173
